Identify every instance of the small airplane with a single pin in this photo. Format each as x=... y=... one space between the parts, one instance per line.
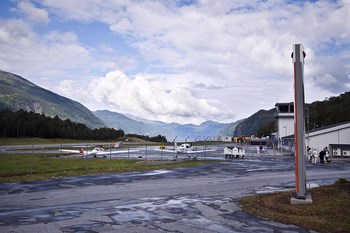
x=184 y=148
x=97 y=151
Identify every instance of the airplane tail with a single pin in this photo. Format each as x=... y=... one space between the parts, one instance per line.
x=116 y=144
x=81 y=152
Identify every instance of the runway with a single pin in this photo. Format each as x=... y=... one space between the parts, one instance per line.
x=192 y=199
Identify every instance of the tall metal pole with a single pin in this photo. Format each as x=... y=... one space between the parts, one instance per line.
x=298 y=56
x=174 y=141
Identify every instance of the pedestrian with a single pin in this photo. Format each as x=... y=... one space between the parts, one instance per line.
x=322 y=155
x=309 y=153
x=314 y=156
x=328 y=160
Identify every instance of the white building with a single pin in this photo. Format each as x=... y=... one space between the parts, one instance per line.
x=285 y=120
x=335 y=137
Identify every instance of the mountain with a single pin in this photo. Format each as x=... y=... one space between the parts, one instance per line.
x=127 y=124
x=136 y=125
x=229 y=130
x=333 y=110
x=18 y=93
x=249 y=126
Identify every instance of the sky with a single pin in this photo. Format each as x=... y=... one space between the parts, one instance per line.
x=177 y=61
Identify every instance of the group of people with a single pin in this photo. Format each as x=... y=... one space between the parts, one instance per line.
x=323 y=155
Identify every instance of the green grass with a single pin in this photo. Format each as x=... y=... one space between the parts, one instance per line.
x=329 y=212
x=28 y=167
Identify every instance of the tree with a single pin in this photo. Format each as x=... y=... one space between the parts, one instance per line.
x=29 y=124
x=267 y=129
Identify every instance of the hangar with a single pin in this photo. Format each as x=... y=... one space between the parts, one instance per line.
x=335 y=137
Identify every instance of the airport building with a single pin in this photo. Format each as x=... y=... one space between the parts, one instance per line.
x=335 y=137
x=285 y=119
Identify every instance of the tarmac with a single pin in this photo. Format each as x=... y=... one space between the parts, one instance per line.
x=192 y=199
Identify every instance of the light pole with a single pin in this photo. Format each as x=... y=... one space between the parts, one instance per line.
x=174 y=142
x=298 y=56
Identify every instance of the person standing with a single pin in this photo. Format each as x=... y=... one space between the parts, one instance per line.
x=309 y=153
x=322 y=155
x=314 y=156
x=328 y=160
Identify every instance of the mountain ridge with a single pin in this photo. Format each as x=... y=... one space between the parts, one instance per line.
x=17 y=93
x=153 y=128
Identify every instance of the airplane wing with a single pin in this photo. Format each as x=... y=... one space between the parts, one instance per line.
x=103 y=153
x=166 y=150
x=186 y=151
x=197 y=151
x=107 y=152
x=71 y=151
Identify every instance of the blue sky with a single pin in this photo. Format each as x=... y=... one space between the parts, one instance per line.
x=177 y=61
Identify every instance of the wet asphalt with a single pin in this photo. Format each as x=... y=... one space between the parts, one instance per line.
x=194 y=199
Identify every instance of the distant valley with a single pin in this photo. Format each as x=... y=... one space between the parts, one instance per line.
x=170 y=130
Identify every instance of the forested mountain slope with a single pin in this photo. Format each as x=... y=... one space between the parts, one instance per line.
x=18 y=93
x=331 y=111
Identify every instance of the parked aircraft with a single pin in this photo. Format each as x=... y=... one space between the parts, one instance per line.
x=184 y=148
x=98 y=151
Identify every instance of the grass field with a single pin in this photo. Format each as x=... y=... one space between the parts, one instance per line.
x=28 y=167
x=329 y=212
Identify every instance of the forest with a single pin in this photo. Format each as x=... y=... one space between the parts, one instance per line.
x=331 y=111
x=29 y=124
x=158 y=138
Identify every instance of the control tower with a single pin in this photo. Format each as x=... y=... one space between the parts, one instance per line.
x=285 y=119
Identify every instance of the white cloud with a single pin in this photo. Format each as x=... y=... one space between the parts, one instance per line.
x=222 y=59
x=142 y=96
x=32 y=12
x=24 y=52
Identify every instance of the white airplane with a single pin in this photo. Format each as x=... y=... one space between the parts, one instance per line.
x=97 y=151
x=185 y=148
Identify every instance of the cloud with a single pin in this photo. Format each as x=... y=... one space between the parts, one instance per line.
x=32 y=12
x=143 y=96
x=223 y=60
x=24 y=52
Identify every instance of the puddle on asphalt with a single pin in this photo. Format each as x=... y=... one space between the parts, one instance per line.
x=176 y=209
x=132 y=215
x=154 y=173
